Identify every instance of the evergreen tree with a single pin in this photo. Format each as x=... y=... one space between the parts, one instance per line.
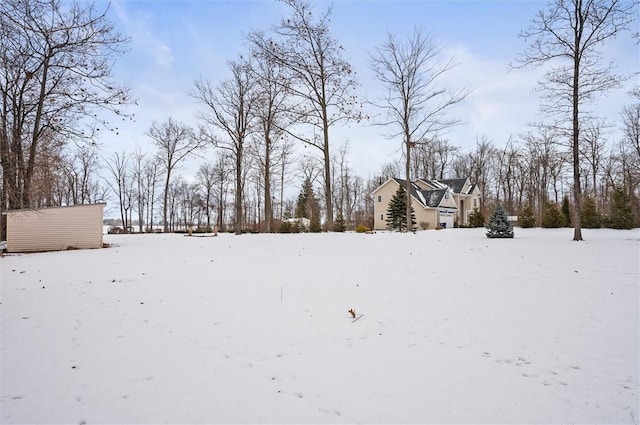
x=591 y=219
x=566 y=212
x=397 y=212
x=499 y=225
x=552 y=217
x=527 y=218
x=303 y=199
x=621 y=214
x=476 y=218
x=307 y=206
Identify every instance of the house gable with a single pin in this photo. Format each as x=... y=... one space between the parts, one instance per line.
x=458 y=186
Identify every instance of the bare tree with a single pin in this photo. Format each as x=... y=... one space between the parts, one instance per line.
x=569 y=36
x=229 y=110
x=81 y=171
x=541 y=155
x=319 y=78
x=150 y=177
x=433 y=158
x=631 y=123
x=592 y=151
x=507 y=160
x=120 y=182
x=138 y=170
x=272 y=117
x=416 y=104
x=56 y=62
x=483 y=166
x=206 y=178
x=175 y=142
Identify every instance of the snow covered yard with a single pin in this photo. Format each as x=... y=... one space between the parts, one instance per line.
x=255 y=329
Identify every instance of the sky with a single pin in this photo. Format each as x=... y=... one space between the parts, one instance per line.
x=175 y=42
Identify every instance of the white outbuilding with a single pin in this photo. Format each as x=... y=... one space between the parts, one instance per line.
x=54 y=228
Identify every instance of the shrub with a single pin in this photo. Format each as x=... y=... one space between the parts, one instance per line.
x=565 y=211
x=526 y=218
x=552 y=218
x=362 y=228
x=476 y=218
x=294 y=226
x=285 y=227
x=590 y=217
x=424 y=225
x=339 y=225
x=621 y=213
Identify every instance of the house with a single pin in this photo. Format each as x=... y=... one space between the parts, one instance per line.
x=435 y=202
x=467 y=195
x=55 y=228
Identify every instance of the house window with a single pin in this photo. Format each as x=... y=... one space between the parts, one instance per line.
x=381 y=216
x=475 y=202
x=446 y=195
x=379 y=198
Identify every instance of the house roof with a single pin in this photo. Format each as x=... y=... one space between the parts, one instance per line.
x=435 y=184
x=434 y=197
x=455 y=184
x=428 y=198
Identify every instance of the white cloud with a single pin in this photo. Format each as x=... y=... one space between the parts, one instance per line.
x=163 y=54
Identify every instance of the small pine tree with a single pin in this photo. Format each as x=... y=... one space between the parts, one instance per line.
x=590 y=217
x=552 y=218
x=476 y=218
x=621 y=213
x=499 y=225
x=397 y=212
x=566 y=212
x=527 y=218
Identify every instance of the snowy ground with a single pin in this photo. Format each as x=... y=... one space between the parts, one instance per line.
x=254 y=329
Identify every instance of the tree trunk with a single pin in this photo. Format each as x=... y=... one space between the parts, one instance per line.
x=238 y=218
x=268 y=214
x=165 y=228
x=408 y=182
x=577 y=190
x=327 y=170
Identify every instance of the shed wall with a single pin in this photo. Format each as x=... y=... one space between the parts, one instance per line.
x=54 y=229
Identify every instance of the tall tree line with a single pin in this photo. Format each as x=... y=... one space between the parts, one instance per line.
x=290 y=87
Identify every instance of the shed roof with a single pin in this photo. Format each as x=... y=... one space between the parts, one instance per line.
x=51 y=208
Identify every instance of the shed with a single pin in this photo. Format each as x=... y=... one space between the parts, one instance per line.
x=54 y=228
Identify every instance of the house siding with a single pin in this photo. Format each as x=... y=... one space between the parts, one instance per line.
x=55 y=229
x=384 y=194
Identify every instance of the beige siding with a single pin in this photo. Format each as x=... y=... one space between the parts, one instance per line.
x=53 y=229
x=425 y=218
x=381 y=198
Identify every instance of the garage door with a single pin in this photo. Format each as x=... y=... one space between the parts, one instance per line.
x=445 y=218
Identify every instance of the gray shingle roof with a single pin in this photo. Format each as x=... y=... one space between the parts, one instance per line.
x=455 y=184
x=433 y=197
x=428 y=198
